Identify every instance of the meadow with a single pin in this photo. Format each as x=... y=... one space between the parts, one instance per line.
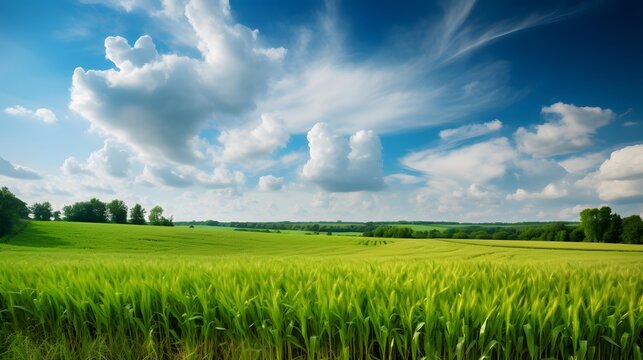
x=96 y=291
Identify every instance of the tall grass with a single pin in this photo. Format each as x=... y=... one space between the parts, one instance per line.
x=315 y=308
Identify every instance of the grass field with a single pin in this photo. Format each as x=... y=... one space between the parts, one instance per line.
x=71 y=290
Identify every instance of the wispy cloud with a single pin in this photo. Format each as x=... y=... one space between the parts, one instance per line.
x=43 y=114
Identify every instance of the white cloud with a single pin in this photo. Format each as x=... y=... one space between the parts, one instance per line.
x=271 y=183
x=621 y=176
x=623 y=164
x=45 y=115
x=338 y=165
x=471 y=130
x=404 y=179
x=241 y=144
x=73 y=166
x=582 y=163
x=479 y=163
x=189 y=176
x=16 y=171
x=113 y=159
x=551 y=191
x=158 y=103
x=570 y=130
x=382 y=97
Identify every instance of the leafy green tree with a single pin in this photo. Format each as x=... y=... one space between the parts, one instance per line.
x=461 y=235
x=614 y=229
x=137 y=215
x=589 y=223
x=56 y=214
x=93 y=210
x=41 y=211
x=632 y=230
x=12 y=210
x=117 y=211
x=500 y=235
x=578 y=234
x=156 y=214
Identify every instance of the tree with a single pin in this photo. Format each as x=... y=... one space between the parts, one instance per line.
x=117 y=211
x=589 y=223
x=614 y=229
x=41 y=211
x=632 y=230
x=137 y=215
x=156 y=214
x=12 y=210
x=156 y=217
x=577 y=234
x=93 y=210
x=56 y=215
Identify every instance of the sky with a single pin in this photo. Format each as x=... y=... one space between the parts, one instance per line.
x=360 y=110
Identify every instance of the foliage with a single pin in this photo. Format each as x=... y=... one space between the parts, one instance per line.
x=12 y=210
x=156 y=217
x=200 y=295
x=41 y=211
x=117 y=211
x=137 y=215
x=632 y=230
x=387 y=231
x=93 y=210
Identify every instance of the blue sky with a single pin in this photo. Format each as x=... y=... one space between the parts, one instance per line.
x=325 y=110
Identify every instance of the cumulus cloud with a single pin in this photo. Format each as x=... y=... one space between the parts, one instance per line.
x=112 y=159
x=479 y=162
x=582 y=163
x=570 y=130
x=45 y=115
x=158 y=103
x=271 y=183
x=240 y=144
x=340 y=165
x=73 y=166
x=621 y=176
x=16 y=171
x=188 y=176
x=471 y=130
x=551 y=191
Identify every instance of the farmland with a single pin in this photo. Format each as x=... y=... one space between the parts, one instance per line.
x=71 y=290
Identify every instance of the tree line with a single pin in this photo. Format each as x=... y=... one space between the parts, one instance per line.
x=14 y=210
x=596 y=225
x=287 y=225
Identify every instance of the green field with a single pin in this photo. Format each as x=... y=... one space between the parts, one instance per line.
x=72 y=290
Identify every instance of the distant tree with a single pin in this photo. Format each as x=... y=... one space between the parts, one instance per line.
x=632 y=230
x=93 y=210
x=155 y=215
x=578 y=234
x=614 y=229
x=41 y=211
x=589 y=223
x=480 y=234
x=137 y=215
x=117 y=211
x=500 y=235
x=461 y=235
x=12 y=210
x=56 y=214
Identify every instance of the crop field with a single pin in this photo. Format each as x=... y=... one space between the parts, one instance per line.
x=104 y=291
